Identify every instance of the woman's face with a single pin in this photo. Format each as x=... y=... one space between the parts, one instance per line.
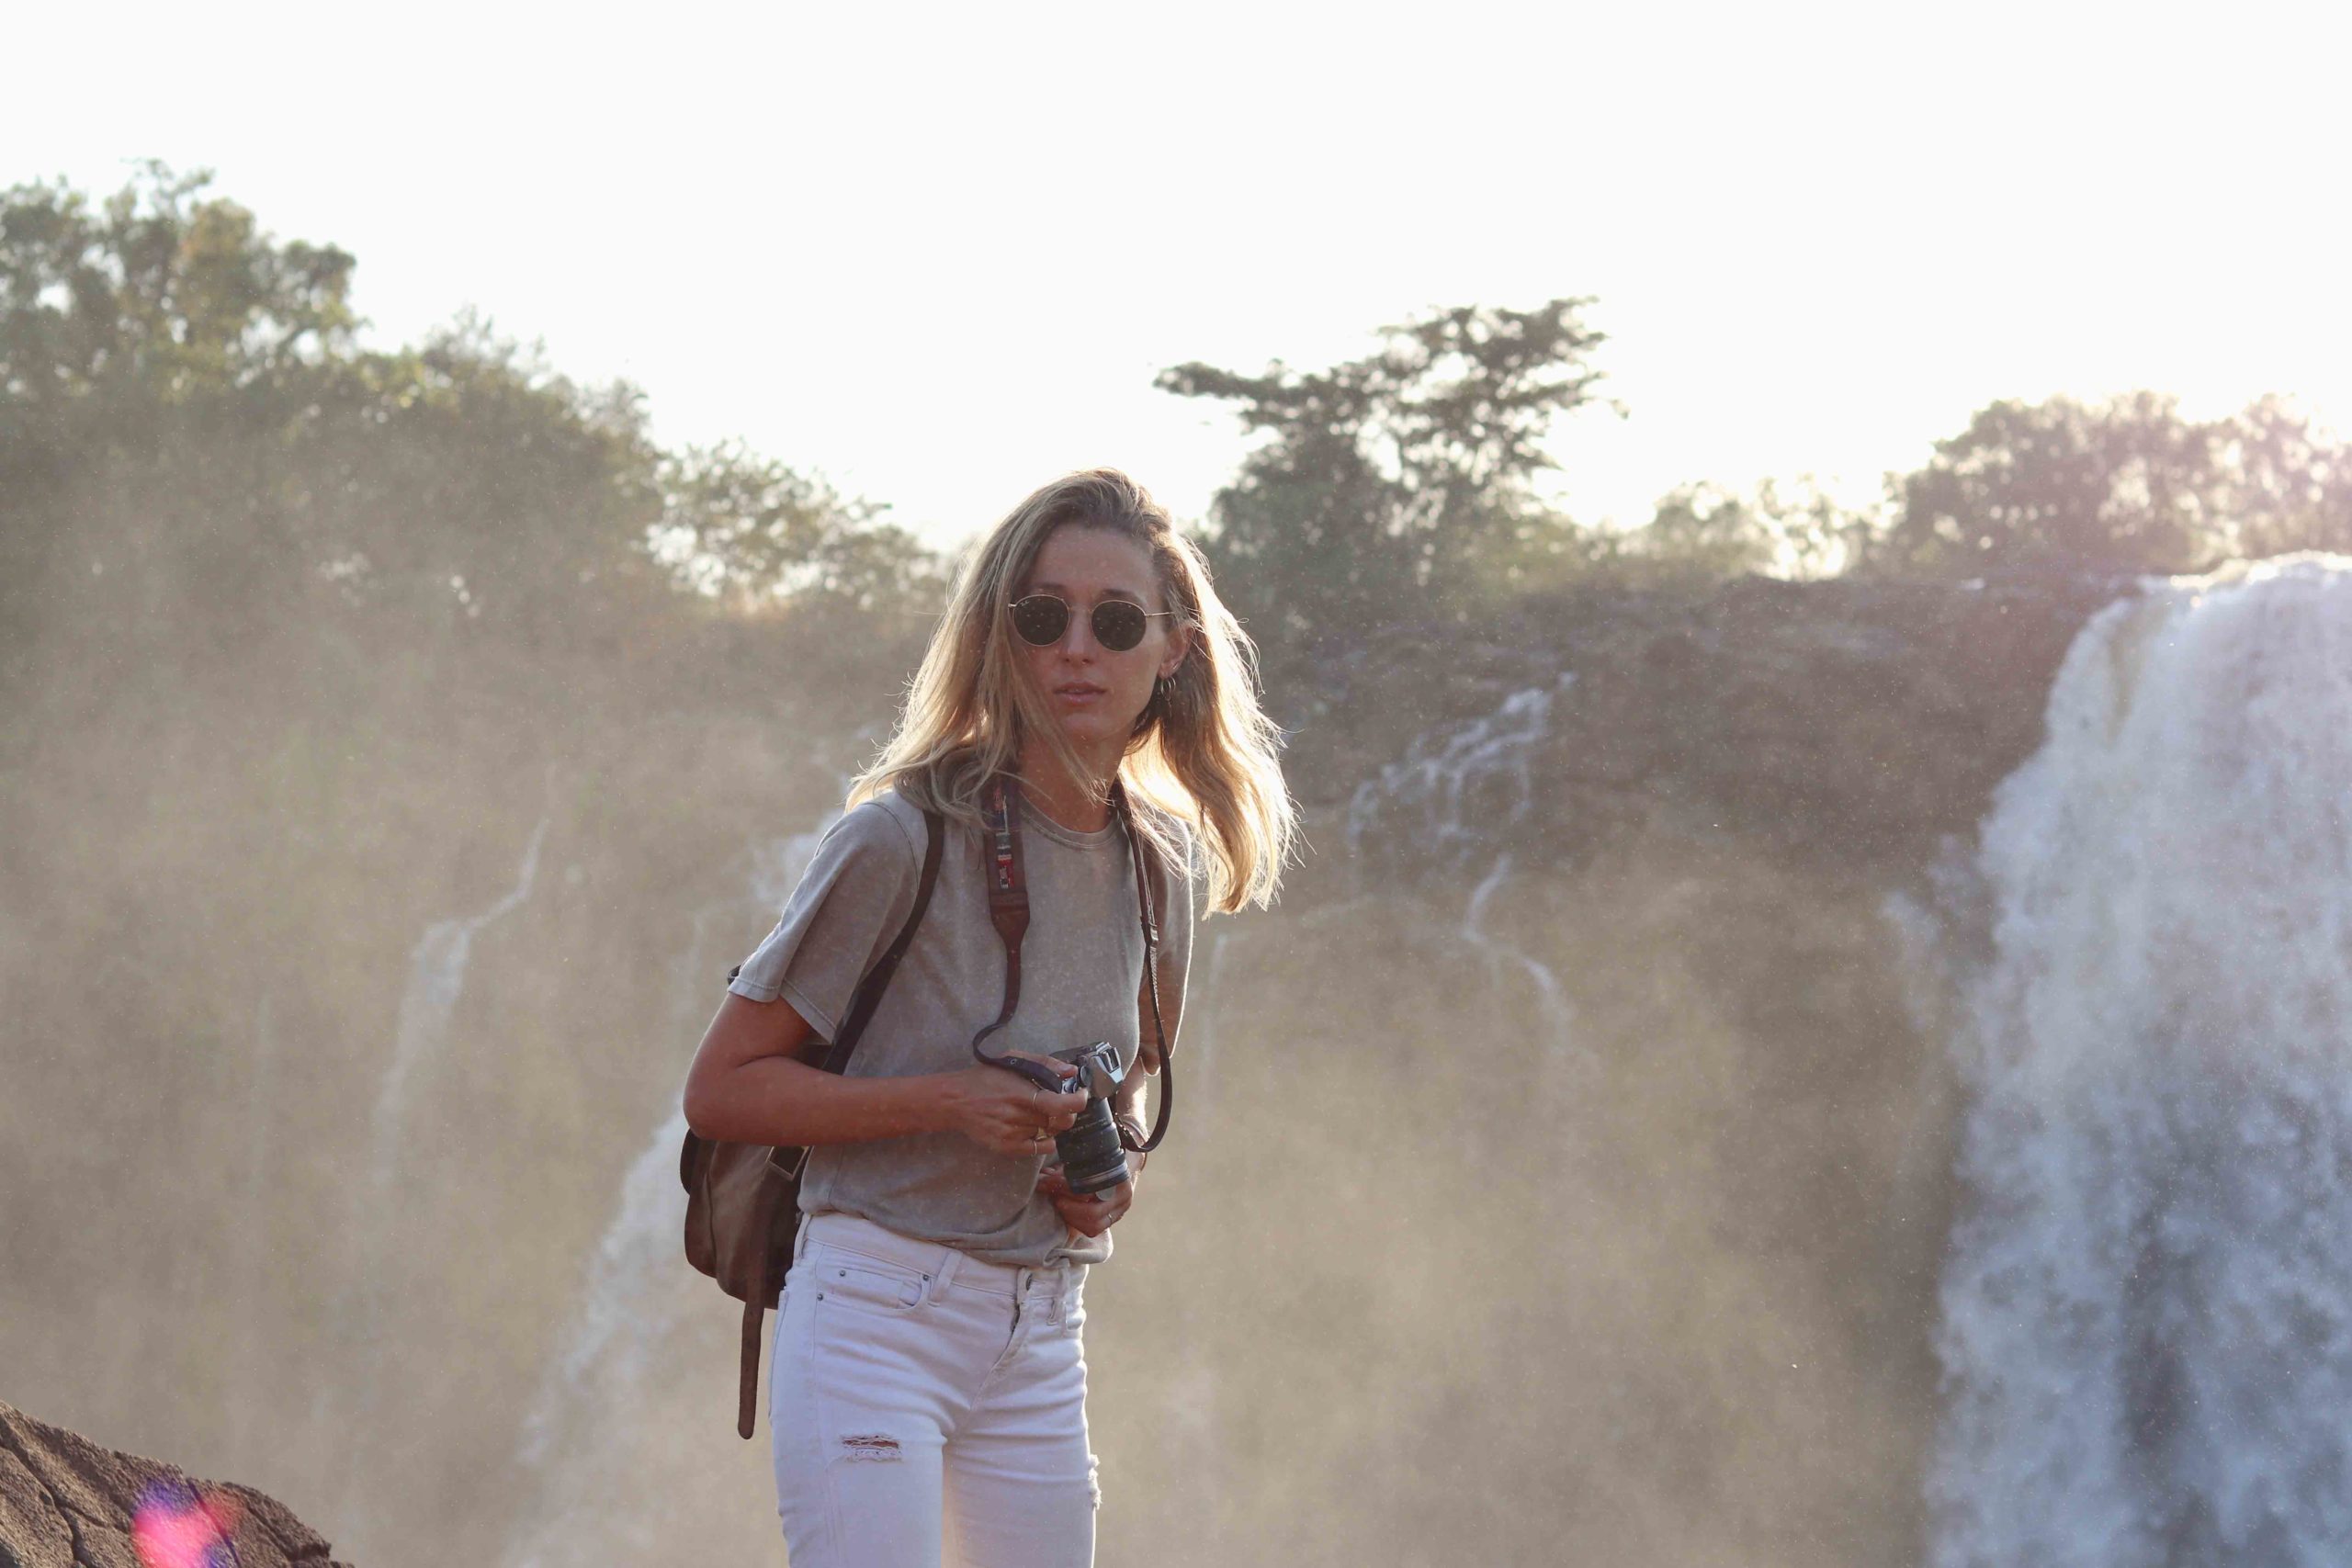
x=1098 y=693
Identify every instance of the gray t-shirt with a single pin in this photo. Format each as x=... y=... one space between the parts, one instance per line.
x=1082 y=974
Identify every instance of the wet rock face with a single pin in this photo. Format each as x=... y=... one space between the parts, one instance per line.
x=1852 y=720
x=66 y=1503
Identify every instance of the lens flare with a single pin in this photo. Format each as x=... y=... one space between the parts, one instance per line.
x=174 y=1528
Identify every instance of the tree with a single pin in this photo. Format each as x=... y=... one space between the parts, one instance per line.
x=1705 y=533
x=150 y=331
x=2287 y=485
x=193 y=446
x=752 y=533
x=2126 y=484
x=156 y=293
x=1399 y=481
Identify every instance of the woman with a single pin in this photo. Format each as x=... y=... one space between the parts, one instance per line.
x=927 y=1388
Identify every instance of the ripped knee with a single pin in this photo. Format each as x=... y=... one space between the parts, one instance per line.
x=869 y=1448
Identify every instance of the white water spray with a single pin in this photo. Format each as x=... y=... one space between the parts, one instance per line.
x=2146 y=1328
x=1553 y=1008
x=437 y=978
x=1455 y=797
x=601 y=1434
x=1457 y=793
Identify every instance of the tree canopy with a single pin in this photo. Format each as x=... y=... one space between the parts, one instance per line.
x=195 y=450
x=1398 y=482
x=2125 y=484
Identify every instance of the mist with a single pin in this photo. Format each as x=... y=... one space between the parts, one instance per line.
x=400 y=747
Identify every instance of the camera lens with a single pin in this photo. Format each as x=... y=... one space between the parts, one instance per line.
x=1092 y=1158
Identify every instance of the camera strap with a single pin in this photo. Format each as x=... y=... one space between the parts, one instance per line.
x=1008 y=911
x=1166 y=1094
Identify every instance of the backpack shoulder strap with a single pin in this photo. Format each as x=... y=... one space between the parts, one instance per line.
x=783 y=1195
x=877 y=979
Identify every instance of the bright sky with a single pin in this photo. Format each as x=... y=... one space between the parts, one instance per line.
x=938 y=252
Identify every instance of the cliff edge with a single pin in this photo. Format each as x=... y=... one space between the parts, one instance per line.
x=66 y=1503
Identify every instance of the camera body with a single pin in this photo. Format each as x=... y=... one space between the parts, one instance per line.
x=1093 y=1157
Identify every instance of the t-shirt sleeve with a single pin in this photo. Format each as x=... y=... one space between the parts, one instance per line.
x=856 y=894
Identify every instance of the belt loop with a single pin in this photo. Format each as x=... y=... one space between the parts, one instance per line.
x=944 y=1274
x=799 y=1236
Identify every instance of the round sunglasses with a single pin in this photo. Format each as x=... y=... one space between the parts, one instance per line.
x=1042 y=618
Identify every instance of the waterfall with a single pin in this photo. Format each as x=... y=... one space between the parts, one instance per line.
x=641 y=1360
x=436 y=978
x=1553 y=1008
x=1459 y=796
x=2146 y=1313
x=255 y=1344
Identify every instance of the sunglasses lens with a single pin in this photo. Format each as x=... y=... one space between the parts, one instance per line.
x=1118 y=625
x=1040 y=619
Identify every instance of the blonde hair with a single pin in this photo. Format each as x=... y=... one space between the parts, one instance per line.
x=1202 y=749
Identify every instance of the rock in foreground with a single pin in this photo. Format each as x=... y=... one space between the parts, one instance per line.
x=66 y=1503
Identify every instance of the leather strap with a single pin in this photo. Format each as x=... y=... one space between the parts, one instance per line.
x=877 y=980
x=785 y=1163
x=747 y=1390
x=1166 y=1097
x=1008 y=893
x=1008 y=909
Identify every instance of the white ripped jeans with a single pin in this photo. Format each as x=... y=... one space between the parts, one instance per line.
x=925 y=1408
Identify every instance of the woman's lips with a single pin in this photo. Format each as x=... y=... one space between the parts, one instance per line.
x=1078 y=694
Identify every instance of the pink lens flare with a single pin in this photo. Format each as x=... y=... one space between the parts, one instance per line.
x=174 y=1528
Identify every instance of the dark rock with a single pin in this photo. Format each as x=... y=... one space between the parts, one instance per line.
x=1854 y=720
x=66 y=1503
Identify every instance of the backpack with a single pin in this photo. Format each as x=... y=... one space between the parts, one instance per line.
x=743 y=1200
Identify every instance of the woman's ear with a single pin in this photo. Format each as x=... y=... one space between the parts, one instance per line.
x=1180 y=647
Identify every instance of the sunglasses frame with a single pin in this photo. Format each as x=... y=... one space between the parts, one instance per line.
x=1094 y=622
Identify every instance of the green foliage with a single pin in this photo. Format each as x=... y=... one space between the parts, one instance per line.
x=1398 y=483
x=750 y=532
x=2288 y=486
x=155 y=295
x=2123 y=486
x=1702 y=533
x=198 y=461
x=2126 y=485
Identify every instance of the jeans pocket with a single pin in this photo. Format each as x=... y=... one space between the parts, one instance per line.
x=864 y=1284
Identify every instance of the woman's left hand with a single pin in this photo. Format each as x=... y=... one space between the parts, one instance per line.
x=1094 y=1214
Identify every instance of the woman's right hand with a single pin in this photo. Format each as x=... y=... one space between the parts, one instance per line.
x=1005 y=1114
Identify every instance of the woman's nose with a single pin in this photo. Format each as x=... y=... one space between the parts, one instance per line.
x=1078 y=640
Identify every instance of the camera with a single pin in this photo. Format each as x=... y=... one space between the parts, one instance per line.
x=1093 y=1157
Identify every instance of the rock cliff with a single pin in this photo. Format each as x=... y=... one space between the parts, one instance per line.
x=66 y=1503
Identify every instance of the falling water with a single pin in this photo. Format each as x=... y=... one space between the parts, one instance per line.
x=2146 y=1328
x=1459 y=794
x=1553 y=1008
x=436 y=978
x=253 y=1227
x=1458 y=797
x=600 y=1434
